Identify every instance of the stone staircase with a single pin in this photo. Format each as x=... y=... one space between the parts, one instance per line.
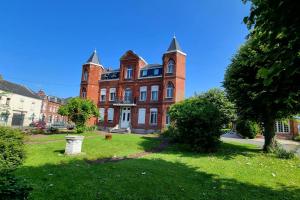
x=117 y=129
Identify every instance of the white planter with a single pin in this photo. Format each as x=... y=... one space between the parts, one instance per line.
x=73 y=145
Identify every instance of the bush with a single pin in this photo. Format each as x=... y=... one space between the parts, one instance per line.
x=53 y=130
x=11 y=148
x=11 y=156
x=12 y=187
x=282 y=153
x=247 y=128
x=80 y=128
x=297 y=138
x=91 y=128
x=197 y=123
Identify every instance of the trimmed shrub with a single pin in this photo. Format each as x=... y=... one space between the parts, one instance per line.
x=247 y=128
x=297 y=138
x=80 y=128
x=53 y=130
x=11 y=156
x=197 y=123
x=11 y=148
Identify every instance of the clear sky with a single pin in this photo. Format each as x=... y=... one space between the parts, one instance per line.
x=43 y=44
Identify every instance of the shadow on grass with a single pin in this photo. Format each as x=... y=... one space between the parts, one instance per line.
x=141 y=179
x=226 y=151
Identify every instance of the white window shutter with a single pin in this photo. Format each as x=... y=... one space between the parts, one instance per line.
x=141 y=116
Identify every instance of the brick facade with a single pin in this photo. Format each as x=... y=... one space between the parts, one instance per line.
x=133 y=76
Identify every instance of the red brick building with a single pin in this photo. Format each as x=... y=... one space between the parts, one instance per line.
x=50 y=106
x=138 y=95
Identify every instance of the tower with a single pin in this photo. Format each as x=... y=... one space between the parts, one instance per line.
x=91 y=73
x=173 y=76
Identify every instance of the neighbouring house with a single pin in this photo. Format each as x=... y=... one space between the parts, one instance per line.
x=137 y=95
x=19 y=106
x=287 y=129
x=49 y=109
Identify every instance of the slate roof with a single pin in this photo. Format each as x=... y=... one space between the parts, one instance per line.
x=17 y=89
x=94 y=59
x=150 y=66
x=174 y=46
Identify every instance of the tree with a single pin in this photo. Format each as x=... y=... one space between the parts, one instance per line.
x=196 y=122
x=79 y=111
x=225 y=106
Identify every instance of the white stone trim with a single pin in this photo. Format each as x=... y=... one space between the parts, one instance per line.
x=175 y=51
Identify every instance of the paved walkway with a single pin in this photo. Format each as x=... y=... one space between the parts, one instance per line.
x=288 y=145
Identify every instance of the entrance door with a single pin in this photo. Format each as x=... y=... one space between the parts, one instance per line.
x=125 y=117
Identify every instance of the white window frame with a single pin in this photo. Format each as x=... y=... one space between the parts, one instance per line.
x=129 y=73
x=110 y=114
x=143 y=89
x=154 y=89
x=170 y=67
x=129 y=91
x=103 y=94
x=153 y=111
x=101 y=114
x=282 y=127
x=112 y=91
x=170 y=91
x=141 y=115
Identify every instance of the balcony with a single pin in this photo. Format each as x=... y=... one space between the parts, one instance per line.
x=125 y=102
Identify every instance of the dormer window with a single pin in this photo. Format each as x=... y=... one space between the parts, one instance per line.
x=144 y=72
x=156 y=72
x=129 y=73
x=170 y=67
x=170 y=90
x=85 y=75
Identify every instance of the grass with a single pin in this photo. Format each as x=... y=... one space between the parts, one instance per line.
x=236 y=172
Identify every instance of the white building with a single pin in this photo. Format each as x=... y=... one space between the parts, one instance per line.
x=19 y=106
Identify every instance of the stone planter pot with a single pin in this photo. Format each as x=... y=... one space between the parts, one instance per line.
x=73 y=145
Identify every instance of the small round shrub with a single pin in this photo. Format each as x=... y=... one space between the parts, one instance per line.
x=247 y=128
x=197 y=123
x=80 y=128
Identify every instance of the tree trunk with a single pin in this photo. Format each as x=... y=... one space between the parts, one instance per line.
x=269 y=134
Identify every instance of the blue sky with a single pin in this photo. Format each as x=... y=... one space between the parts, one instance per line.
x=43 y=44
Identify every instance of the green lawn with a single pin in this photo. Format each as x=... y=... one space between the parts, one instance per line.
x=235 y=172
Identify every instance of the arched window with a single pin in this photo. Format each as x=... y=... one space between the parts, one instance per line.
x=170 y=90
x=85 y=75
x=83 y=93
x=170 y=67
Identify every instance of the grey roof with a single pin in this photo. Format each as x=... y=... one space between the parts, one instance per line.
x=149 y=66
x=94 y=59
x=17 y=89
x=174 y=46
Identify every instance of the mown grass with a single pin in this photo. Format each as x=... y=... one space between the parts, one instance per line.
x=236 y=172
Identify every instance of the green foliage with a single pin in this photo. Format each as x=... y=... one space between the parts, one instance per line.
x=263 y=76
x=282 y=153
x=197 y=122
x=247 y=128
x=297 y=138
x=79 y=111
x=11 y=156
x=12 y=188
x=11 y=149
x=53 y=130
x=91 y=128
x=225 y=106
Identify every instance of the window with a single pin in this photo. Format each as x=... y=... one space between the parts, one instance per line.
x=156 y=72
x=154 y=92
x=144 y=72
x=110 y=115
x=128 y=94
x=83 y=93
x=153 y=116
x=170 y=67
x=168 y=119
x=103 y=94
x=282 y=127
x=129 y=73
x=170 y=90
x=7 y=101
x=50 y=119
x=141 y=116
x=85 y=75
x=101 y=113
x=112 y=94
x=143 y=93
